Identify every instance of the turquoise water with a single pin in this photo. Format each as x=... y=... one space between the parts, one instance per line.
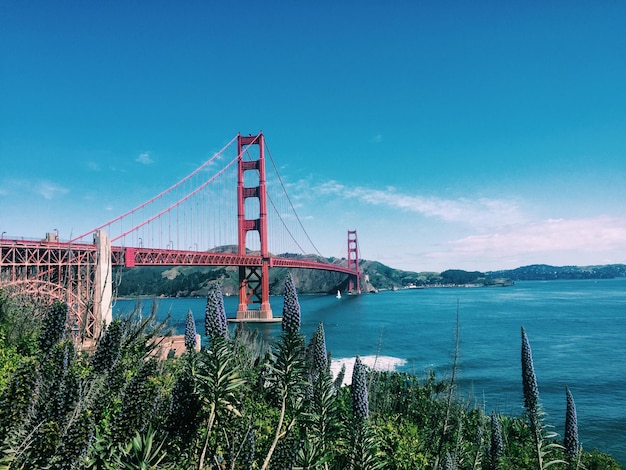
x=577 y=331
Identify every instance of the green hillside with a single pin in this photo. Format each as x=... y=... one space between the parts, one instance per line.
x=186 y=281
x=545 y=272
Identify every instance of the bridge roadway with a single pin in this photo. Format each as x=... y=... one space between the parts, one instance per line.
x=131 y=257
x=44 y=255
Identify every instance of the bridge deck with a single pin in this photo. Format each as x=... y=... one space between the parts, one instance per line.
x=36 y=252
x=131 y=257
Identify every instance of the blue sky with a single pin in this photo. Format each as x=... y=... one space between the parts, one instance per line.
x=472 y=135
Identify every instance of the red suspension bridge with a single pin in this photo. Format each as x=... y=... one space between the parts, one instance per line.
x=206 y=219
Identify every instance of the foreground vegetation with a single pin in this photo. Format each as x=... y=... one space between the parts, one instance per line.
x=241 y=404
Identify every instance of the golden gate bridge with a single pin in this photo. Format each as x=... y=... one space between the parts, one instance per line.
x=227 y=212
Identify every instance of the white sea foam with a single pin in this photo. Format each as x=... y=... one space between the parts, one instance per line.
x=374 y=362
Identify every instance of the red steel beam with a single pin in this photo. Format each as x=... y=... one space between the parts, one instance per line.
x=15 y=254
x=130 y=257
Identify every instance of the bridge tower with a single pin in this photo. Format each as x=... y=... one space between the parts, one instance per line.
x=253 y=280
x=353 y=261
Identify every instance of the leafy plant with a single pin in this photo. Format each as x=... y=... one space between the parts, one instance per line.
x=143 y=452
x=322 y=422
x=287 y=374
x=243 y=404
x=219 y=384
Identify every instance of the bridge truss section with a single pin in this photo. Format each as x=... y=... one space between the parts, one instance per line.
x=65 y=272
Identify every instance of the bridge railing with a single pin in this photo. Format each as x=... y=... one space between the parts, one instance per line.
x=130 y=257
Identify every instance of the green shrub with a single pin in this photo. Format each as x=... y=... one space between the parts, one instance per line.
x=243 y=404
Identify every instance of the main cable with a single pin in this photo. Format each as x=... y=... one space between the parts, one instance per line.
x=292 y=207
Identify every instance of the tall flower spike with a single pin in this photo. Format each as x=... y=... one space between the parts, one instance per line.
x=215 y=316
x=479 y=437
x=497 y=448
x=529 y=380
x=109 y=346
x=320 y=356
x=449 y=464
x=190 y=332
x=291 y=307
x=570 y=440
x=75 y=440
x=246 y=457
x=360 y=405
x=340 y=375
x=53 y=326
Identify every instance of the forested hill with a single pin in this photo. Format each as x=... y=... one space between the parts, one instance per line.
x=185 y=281
x=545 y=272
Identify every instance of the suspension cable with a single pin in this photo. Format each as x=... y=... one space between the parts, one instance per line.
x=284 y=224
x=291 y=205
x=168 y=190
x=176 y=203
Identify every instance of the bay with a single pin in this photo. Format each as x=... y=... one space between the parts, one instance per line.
x=577 y=331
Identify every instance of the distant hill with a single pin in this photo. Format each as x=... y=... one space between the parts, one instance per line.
x=188 y=281
x=544 y=272
x=191 y=281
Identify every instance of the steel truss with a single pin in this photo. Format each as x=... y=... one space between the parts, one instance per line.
x=59 y=271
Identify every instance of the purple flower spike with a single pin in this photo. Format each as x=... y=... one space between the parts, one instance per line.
x=291 y=307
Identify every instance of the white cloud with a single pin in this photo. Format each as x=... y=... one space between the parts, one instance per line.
x=596 y=234
x=474 y=234
x=378 y=138
x=481 y=212
x=144 y=158
x=44 y=188
x=48 y=190
x=596 y=240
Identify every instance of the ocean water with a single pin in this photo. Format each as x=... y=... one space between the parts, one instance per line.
x=577 y=332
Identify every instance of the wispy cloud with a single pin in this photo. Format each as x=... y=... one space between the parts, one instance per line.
x=479 y=212
x=48 y=190
x=595 y=240
x=481 y=233
x=144 y=158
x=595 y=234
x=378 y=138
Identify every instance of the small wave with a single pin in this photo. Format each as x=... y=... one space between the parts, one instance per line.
x=374 y=362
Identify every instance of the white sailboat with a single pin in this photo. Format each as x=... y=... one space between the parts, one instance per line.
x=338 y=294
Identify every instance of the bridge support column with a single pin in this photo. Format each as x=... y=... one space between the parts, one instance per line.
x=103 y=285
x=353 y=261
x=253 y=280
